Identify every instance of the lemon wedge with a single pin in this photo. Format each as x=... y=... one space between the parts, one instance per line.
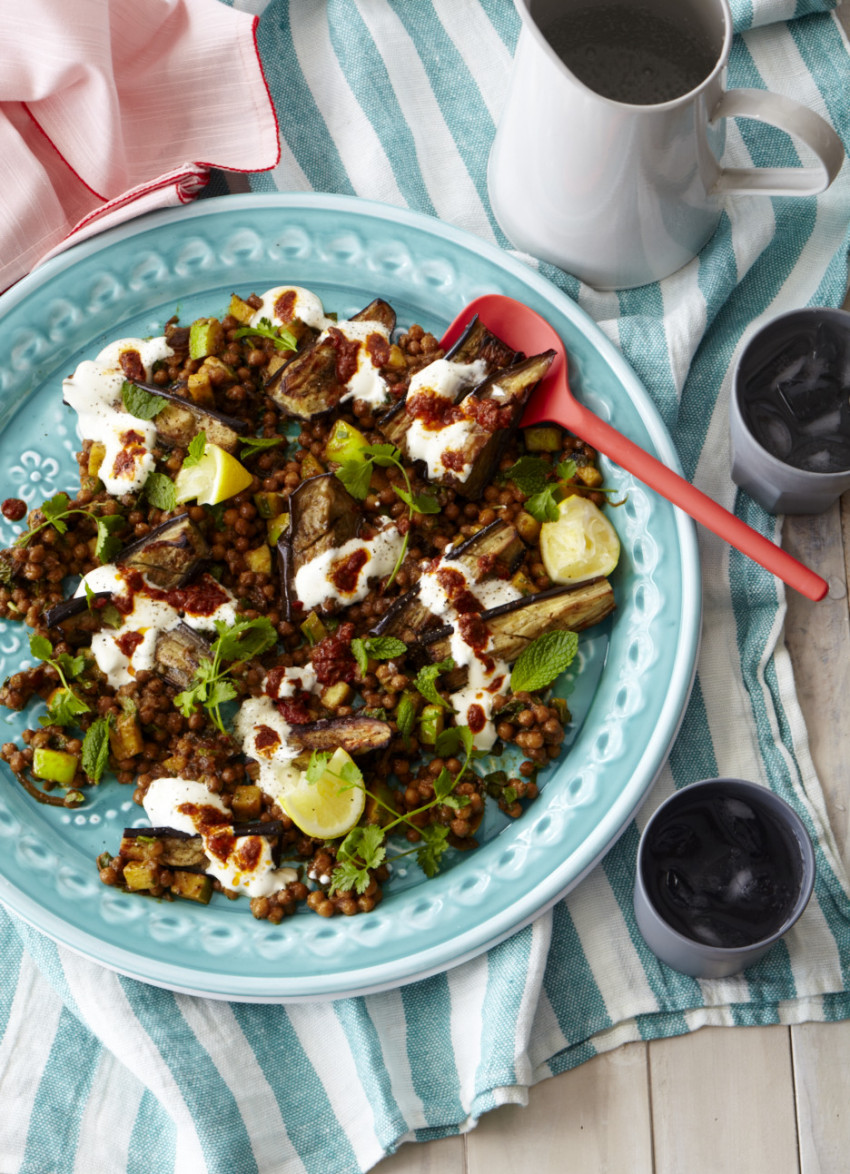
x=580 y=544
x=215 y=477
x=331 y=806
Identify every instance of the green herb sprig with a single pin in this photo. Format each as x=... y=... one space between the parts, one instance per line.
x=211 y=684
x=281 y=336
x=357 y=475
x=95 y=751
x=65 y=706
x=376 y=648
x=57 y=508
x=543 y=660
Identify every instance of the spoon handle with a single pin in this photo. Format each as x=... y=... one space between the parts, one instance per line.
x=696 y=503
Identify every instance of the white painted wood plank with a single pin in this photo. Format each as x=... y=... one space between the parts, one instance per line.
x=723 y=1099
x=592 y=1119
x=823 y=1096
x=434 y=1157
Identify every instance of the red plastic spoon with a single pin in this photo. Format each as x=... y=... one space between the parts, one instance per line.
x=523 y=329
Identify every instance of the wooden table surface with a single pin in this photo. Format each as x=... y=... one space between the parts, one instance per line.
x=754 y=1100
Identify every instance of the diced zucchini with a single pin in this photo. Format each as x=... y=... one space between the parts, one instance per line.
x=396 y=360
x=313 y=628
x=191 y=885
x=345 y=443
x=125 y=737
x=543 y=438
x=259 y=560
x=335 y=695
x=200 y=389
x=275 y=527
x=560 y=704
x=140 y=874
x=247 y=802
x=431 y=723
x=240 y=310
x=55 y=766
x=268 y=504
x=311 y=467
x=96 y=454
x=206 y=336
x=527 y=526
x=522 y=583
x=589 y=475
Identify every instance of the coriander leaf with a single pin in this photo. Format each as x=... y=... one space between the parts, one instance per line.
x=351 y=775
x=355 y=476
x=160 y=492
x=40 y=647
x=195 y=451
x=220 y=691
x=420 y=503
x=283 y=339
x=510 y=796
x=244 y=639
x=364 y=843
x=111 y=616
x=349 y=875
x=405 y=716
x=319 y=760
x=358 y=648
x=566 y=470
x=54 y=508
x=530 y=475
x=142 y=404
x=64 y=707
x=95 y=750
x=255 y=444
x=384 y=647
x=543 y=660
x=543 y=506
x=443 y=785
x=426 y=679
x=382 y=454
x=108 y=544
x=71 y=666
x=448 y=742
x=435 y=843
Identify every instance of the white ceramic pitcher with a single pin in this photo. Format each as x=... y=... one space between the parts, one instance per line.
x=621 y=194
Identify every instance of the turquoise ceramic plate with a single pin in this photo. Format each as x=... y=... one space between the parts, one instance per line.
x=627 y=697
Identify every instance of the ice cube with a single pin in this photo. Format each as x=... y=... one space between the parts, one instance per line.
x=770 y=428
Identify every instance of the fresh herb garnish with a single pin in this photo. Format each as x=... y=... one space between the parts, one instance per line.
x=281 y=336
x=195 y=452
x=357 y=475
x=64 y=704
x=530 y=474
x=426 y=681
x=543 y=660
x=364 y=848
x=211 y=686
x=405 y=717
x=543 y=506
x=161 y=492
x=95 y=750
x=142 y=404
x=376 y=647
x=254 y=444
x=534 y=477
x=56 y=510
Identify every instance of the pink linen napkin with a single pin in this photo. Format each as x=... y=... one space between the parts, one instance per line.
x=112 y=108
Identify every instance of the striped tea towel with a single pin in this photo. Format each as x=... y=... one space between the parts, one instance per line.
x=397 y=100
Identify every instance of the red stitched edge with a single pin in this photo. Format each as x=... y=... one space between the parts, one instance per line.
x=59 y=153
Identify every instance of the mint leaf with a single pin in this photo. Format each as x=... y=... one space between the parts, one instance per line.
x=384 y=647
x=543 y=660
x=160 y=492
x=196 y=450
x=356 y=476
x=254 y=444
x=95 y=750
x=405 y=716
x=543 y=506
x=144 y=405
x=531 y=475
x=426 y=680
x=358 y=647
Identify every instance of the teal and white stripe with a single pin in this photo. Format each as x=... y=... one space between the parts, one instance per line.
x=398 y=101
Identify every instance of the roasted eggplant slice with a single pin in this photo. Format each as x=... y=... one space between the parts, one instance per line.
x=178 y=653
x=513 y=626
x=356 y=735
x=322 y=516
x=169 y=555
x=182 y=419
x=314 y=381
x=476 y=344
x=498 y=547
x=67 y=614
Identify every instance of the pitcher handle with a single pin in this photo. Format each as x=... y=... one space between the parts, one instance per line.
x=797 y=120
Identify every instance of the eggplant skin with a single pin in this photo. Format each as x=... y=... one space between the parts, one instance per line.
x=356 y=735
x=322 y=516
x=178 y=653
x=169 y=555
x=307 y=385
x=70 y=609
x=182 y=419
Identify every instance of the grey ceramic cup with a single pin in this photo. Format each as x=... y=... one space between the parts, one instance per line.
x=698 y=958
x=780 y=487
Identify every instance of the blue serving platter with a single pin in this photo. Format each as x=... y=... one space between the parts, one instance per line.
x=627 y=691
